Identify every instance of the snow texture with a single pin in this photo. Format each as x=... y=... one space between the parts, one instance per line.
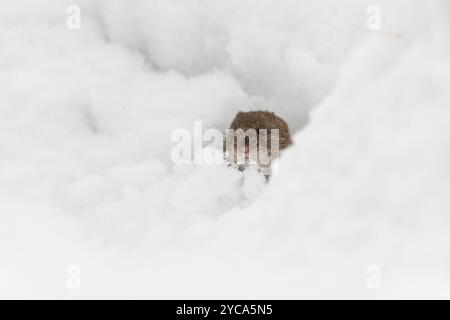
x=360 y=207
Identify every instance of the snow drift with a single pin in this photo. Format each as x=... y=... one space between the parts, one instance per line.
x=86 y=181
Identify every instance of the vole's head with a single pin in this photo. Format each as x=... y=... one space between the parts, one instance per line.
x=254 y=121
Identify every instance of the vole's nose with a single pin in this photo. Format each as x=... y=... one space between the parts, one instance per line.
x=247 y=152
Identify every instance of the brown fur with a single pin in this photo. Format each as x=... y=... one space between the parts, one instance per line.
x=261 y=120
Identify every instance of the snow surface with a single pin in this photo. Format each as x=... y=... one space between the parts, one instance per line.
x=86 y=178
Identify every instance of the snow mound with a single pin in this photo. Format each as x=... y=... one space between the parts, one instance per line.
x=88 y=190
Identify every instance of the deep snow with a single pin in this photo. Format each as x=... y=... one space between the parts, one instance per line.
x=86 y=179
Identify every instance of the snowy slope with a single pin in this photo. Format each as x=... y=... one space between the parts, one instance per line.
x=86 y=181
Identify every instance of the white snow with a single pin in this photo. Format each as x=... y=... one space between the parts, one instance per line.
x=86 y=180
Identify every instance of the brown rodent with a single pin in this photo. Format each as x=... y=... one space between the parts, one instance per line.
x=258 y=120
